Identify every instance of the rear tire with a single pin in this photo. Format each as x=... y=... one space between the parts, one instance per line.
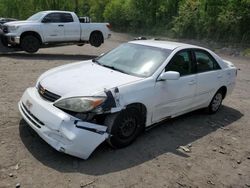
x=123 y=127
x=30 y=44
x=215 y=103
x=96 y=39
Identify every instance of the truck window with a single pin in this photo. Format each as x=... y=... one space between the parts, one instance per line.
x=53 y=18
x=66 y=17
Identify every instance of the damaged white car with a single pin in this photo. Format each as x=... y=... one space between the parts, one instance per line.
x=76 y=107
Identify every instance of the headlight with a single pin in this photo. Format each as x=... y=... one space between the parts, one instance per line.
x=80 y=104
x=12 y=28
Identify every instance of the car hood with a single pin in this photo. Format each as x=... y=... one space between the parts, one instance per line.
x=83 y=79
x=17 y=23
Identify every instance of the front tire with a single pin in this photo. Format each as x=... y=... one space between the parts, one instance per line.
x=3 y=39
x=123 y=127
x=30 y=44
x=215 y=103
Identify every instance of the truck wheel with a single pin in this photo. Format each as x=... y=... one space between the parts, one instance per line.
x=123 y=127
x=215 y=103
x=3 y=38
x=96 y=39
x=30 y=44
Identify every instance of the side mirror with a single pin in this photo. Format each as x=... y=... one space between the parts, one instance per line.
x=169 y=75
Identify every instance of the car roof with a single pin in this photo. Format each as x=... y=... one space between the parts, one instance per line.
x=163 y=44
x=52 y=11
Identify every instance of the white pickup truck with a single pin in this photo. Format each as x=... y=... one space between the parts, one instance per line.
x=53 y=28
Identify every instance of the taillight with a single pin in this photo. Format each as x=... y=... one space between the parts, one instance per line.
x=109 y=26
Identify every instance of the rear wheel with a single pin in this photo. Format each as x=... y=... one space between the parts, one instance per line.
x=30 y=44
x=123 y=127
x=215 y=103
x=96 y=39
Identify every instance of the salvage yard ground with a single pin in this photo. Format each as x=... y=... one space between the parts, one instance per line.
x=217 y=147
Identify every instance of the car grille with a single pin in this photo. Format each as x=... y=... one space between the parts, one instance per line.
x=47 y=94
x=31 y=117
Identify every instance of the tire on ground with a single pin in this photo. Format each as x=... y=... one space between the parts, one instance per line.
x=124 y=127
x=215 y=103
x=30 y=43
x=3 y=39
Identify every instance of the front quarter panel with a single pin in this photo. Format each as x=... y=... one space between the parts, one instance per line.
x=139 y=92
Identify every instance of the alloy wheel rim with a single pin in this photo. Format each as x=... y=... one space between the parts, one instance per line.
x=216 y=102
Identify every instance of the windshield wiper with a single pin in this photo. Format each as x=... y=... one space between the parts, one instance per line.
x=108 y=66
x=96 y=61
x=114 y=68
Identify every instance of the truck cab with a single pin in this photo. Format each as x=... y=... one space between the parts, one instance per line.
x=48 y=28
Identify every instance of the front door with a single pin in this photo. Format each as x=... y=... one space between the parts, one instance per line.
x=53 y=28
x=176 y=96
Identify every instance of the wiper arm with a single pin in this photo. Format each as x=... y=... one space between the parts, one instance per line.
x=96 y=61
x=108 y=66
x=114 y=68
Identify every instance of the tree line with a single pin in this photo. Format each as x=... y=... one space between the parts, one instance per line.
x=221 y=20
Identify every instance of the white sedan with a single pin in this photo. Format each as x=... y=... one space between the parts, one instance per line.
x=76 y=107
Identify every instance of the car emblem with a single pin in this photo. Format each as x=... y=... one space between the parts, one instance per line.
x=28 y=104
x=42 y=90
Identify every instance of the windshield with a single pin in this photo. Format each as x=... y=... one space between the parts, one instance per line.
x=36 y=16
x=135 y=59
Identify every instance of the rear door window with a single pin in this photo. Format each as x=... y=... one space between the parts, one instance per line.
x=205 y=62
x=66 y=18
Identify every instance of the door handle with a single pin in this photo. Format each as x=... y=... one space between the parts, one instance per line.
x=60 y=25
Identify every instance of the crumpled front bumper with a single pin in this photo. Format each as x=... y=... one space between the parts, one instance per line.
x=60 y=130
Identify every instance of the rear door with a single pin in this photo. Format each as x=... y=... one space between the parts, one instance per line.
x=209 y=77
x=53 y=28
x=72 y=30
x=176 y=96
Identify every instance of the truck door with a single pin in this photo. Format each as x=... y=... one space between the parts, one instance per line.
x=53 y=28
x=72 y=30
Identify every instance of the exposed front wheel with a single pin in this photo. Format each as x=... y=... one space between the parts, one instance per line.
x=30 y=44
x=123 y=127
x=96 y=39
x=215 y=103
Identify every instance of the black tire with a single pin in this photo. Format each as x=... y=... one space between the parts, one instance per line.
x=124 y=127
x=3 y=38
x=215 y=103
x=96 y=39
x=30 y=44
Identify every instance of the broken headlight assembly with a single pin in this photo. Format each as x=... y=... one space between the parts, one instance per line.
x=80 y=104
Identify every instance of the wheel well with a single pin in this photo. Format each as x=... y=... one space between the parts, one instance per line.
x=141 y=108
x=99 y=32
x=35 y=34
x=224 y=91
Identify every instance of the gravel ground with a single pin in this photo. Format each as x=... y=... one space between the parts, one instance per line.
x=219 y=144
